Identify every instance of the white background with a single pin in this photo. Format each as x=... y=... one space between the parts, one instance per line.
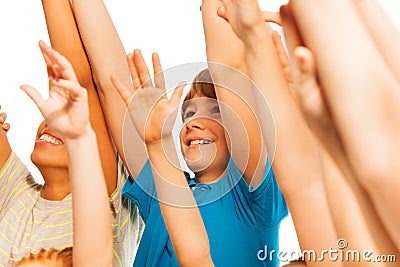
x=173 y=28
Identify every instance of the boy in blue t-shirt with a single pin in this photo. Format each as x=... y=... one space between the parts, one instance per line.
x=241 y=215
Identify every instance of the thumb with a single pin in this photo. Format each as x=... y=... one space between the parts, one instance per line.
x=34 y=95
x=274 y=17
x=177 y=94
x=308 y=91
x=125 y=93
x=221 y=12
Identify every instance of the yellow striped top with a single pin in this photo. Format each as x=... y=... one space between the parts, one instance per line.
x=29 y=222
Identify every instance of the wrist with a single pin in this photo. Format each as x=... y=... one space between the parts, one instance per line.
x=88 y=135
x=255 y=34
x=156 y=144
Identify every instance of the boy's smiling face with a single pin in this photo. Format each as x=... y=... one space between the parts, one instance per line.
x=202 y=137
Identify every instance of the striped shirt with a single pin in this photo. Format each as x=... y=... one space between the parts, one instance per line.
x=29 y=222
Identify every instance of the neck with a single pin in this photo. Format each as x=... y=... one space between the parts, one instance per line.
x=210 y=176
x=56 y=183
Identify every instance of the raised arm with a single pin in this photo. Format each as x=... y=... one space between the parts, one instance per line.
x=296 y=159
x=234 y=92
x=383 y=31
x=64 y=37
x=107 y=55
x=66 y=111
x=362 y=230
x=5 y=149
x=151 y=111
x=363 y=97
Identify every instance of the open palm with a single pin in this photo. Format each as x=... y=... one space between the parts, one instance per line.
x=152 y=113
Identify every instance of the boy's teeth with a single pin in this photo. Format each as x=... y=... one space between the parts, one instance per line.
x=200 y=142
x=49 y=139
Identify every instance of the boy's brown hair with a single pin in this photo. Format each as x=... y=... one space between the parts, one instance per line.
x=202 y=85
x=49 y=258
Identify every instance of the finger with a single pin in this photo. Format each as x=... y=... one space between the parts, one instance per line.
x=52 y=69
x=49 y=63
x=3 y=117
x=70 y=88
x=159 y=79
x=283 y=57
x=290 y=29
x=142 y=70
x=132 y=69
x=34 y=95
x=50 y=72
x=5 y=127
x=61 y=66
x=307 y=88
x=177 y=94
x=274 y=17
x=221 y=12
x=123 y=91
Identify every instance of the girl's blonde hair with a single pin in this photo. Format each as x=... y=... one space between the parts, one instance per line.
x=49 y=258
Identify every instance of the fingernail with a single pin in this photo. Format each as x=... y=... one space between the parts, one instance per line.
x=56 y=80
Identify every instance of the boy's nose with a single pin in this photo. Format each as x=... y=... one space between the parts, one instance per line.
x=194 y=124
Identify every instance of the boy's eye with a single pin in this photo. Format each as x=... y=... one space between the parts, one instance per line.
x=188 y=114
x=216 y=109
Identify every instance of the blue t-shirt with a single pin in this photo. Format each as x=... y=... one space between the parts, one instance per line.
x=242 y=224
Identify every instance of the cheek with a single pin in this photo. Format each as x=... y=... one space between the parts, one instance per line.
x=182 y=135
x=40 y=129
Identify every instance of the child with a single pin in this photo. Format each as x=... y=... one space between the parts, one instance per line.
x=66 y=112
x=41 y=216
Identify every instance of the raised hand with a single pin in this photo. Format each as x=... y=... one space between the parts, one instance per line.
x=5 y=126
x=152 y=113
x=242 y=15
x=66 y=109
x=140 y=73
x=149 y=108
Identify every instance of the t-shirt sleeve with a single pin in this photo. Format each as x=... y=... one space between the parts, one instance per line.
x=142 y=191
x=14 y=177
x=264 y=206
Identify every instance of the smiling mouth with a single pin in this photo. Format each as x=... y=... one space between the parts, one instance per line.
x=46 y=138
x=200 y=142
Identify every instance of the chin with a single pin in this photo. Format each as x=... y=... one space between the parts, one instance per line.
x=198 y=165
x=43 y=158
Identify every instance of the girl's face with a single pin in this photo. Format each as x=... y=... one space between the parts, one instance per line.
x=49 y=150
x=202 y=137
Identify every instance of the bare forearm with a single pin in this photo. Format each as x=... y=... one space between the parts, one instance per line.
x=383 y=31
x=179 y=209
x=265 y=70
x=222 y=45
x=234 y=91
x=64 y=37
x=91 y=212
x=107 y=55
x=362 y=88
